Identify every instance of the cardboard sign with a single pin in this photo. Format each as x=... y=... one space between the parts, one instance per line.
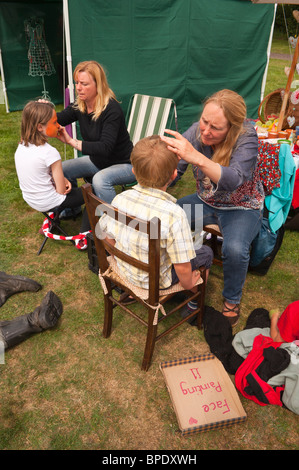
x=202 y=394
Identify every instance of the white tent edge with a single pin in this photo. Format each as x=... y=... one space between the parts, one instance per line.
x=268 y=54
x=69 y=60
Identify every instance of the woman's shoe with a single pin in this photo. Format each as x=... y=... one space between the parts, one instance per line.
x=226 y=311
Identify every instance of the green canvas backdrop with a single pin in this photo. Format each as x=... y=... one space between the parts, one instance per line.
x=183 y=49
x=20 y=86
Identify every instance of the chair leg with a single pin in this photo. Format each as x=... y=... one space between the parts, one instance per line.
x=214 y=244
x=150 y=341
x=217 y=250
x=107 y=316
x=42 y=246
x=214 y=232
x=201 y=299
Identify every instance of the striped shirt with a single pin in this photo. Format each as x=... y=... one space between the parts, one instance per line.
x=176 y=241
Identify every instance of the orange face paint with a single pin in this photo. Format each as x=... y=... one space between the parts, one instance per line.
x=52 y=127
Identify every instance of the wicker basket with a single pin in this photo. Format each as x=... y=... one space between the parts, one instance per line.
x=271 y=104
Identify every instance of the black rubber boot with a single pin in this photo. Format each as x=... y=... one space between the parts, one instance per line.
x=45 y=316
x=10 y=285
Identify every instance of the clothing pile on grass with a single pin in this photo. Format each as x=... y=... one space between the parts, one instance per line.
x=266 y=372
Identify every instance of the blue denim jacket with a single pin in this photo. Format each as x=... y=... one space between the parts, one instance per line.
x=239 y=184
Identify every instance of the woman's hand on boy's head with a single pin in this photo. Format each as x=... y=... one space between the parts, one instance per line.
x=180 y=146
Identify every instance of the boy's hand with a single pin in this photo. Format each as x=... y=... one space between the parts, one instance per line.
x=195 y=276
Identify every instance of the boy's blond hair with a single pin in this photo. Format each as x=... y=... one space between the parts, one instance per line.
x=153 y=163
x=35 y=113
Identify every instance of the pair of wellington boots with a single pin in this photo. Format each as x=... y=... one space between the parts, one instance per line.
x=46 y=315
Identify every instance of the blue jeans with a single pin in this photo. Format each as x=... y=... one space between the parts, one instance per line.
x=103 y=181
x=238 y=227
x=204 y=257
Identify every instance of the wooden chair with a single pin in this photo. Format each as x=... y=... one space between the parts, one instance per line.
x=214 y=231
x=152 y=300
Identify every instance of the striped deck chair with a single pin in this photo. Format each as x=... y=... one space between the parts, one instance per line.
x=149 y=115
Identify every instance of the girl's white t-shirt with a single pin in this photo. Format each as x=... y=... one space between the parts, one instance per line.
x=33 y=165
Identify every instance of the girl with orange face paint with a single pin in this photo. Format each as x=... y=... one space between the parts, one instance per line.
x=39 y=166
x=52 y=127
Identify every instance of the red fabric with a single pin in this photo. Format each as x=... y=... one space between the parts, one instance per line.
x=248 y=368
x=295 y=200
x=268 y=165
x=288 y=323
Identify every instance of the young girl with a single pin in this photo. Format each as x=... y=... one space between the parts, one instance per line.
x=39 y=166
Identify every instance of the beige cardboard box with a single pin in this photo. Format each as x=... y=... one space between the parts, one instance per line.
x=202 y=394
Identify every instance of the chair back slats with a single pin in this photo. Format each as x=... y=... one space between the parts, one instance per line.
x=95 y=208
x=112 y=250
x=91 y=205
x=134 y=222
x=148 y=116
x=154 y=260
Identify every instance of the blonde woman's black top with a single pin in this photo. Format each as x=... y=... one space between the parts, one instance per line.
x=106 y=139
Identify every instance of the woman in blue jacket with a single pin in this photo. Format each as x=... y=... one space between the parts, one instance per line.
x=223 y=148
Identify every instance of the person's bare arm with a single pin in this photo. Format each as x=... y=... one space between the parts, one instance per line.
x=187 y=277
x=58 y=177
x=274 y=331
x=64 y=137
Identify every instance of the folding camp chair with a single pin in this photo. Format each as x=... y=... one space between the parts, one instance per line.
x=54 y=225
x=152 y=300
x=148 y=115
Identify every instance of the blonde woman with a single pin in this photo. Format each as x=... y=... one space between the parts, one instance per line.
x=222 y=148
x=104 y=142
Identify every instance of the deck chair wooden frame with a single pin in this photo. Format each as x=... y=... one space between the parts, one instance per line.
x=153 y=300
x=215 y=232
x=148 y=115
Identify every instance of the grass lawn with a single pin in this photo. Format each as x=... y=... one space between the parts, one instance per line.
x=69 y=388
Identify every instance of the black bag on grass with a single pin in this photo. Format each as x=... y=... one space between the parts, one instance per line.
x=264 y=248
x=292 y=222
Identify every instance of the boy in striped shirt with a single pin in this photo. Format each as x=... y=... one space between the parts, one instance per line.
x=155 y=167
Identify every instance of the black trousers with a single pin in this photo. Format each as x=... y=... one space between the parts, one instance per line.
x=75 y=199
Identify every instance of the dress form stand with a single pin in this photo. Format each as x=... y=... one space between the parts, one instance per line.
x=40 y=62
